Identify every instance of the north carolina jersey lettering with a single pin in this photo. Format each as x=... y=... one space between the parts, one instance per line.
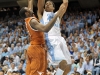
x=47 y=16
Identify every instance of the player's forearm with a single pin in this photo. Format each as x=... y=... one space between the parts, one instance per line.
x=30 y=4
x=51 y=23
x=41 y=5
x=65 y=1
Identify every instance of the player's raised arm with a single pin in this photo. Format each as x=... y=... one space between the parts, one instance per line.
x=40 y=6
x=65 y=2
x=30 y=4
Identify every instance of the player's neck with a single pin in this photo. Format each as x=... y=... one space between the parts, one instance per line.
x=29 y=16
x=48 y=11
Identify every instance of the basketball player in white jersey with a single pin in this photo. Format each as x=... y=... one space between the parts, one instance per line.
x=58 y=52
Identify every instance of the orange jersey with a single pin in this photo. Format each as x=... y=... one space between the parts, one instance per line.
x=36 y=37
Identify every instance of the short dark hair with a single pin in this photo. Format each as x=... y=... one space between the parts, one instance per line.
x=22 y=12
x=77 y=73
x=52 y=3
x=22 y=60
x=14 y=72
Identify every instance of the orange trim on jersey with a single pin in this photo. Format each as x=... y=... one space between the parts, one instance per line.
x=36 y=37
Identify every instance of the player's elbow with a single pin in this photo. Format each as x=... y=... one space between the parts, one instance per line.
x=47 y=31
x=44 y=29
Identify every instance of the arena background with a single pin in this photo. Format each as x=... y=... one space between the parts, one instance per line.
x=72 y=27
x=13 y=4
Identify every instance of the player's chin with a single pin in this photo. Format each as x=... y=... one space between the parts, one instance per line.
x=47 y=9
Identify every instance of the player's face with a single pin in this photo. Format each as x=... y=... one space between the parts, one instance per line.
x=29 y=11
x=49 y=6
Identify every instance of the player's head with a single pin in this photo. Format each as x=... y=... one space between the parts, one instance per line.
x=49 y=6
x=77 y=73
x=25 y=12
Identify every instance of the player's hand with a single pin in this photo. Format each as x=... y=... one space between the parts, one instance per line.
x=61 y=9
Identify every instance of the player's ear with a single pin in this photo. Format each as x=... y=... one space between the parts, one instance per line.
x=53 y=8
x=26 y=13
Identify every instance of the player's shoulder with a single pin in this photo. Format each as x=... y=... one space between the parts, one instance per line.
x=29 y=18
x=34 y=19
x=55 y=12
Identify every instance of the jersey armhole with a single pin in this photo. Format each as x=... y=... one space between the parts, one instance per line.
x=58 y=17
x=31 y=26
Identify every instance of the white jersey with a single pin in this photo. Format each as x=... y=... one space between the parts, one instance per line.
x=56 y=44
x=55 y=30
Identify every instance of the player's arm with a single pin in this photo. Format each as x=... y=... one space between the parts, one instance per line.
x=65 y=2
x=40 y=6
x=45 y=28
x=30 y=4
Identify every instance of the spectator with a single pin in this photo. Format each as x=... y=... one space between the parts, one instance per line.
x=14 y=72
x=16 y=59
x=80 y=68
x=6 y=61
x=75 y=54
x=72 y=74
x=95 y=25
x=5 y=69
x=73 y=67
x=20 y=69
x=77 y=73
x=96 y=64
x=52 y=70
x=87 y=65
x=9 y=73
x=0 y=66
x=12 y=68
x=89 y=73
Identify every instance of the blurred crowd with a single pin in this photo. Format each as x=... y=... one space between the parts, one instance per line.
x=81 y=31
x=14 y=41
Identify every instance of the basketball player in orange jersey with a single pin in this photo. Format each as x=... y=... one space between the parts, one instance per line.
x=36 y=53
